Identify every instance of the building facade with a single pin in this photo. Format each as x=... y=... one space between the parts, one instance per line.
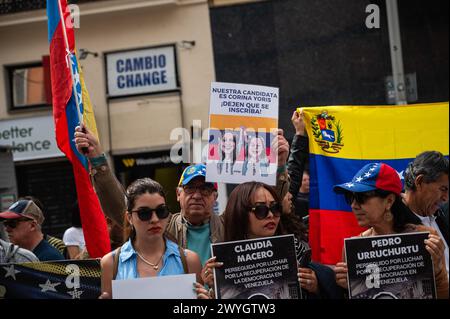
x=317 y=53
x=135 y=118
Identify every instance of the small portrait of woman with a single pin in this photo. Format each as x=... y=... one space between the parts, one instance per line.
x=255 y=157
x=227 y=153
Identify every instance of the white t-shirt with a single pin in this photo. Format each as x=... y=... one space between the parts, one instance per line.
x=430 y=221
x=73 y=236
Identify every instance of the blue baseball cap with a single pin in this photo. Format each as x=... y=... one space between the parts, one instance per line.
x=371 y=177
x=192 y=172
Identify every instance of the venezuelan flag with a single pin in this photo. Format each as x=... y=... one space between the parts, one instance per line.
x=67 y=80
x=342 y=139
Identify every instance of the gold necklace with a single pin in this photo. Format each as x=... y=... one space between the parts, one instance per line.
x=155 y=266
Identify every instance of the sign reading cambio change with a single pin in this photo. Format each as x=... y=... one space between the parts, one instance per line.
x=30 y=138
x=141 y=71
x=390 y=267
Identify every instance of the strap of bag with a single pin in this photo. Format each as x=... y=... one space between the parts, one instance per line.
x=11 y=253
x=116 y=254
x=183 y=260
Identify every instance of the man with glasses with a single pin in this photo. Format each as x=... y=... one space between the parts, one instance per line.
x=196 y=226
x=23 y=222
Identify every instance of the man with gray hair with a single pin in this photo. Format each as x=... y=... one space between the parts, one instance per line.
x=23 y=222
x=426 y=185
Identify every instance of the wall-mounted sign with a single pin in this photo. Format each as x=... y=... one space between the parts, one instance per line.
x=141 y=71
x=30 y=138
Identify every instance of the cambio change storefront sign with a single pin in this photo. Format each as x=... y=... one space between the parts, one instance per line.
x=141 y=71
x=30 y=138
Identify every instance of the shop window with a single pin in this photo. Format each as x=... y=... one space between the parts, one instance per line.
x=29 y=86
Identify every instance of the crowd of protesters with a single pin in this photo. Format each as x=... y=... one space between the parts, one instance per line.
x=148 y=240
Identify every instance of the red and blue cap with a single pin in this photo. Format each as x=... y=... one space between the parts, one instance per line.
x=371 y=177
x=24 y=208
x=193 y=171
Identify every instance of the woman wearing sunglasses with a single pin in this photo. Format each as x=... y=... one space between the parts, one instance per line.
x=148 y=252
x=253 y=211
x=374 y=196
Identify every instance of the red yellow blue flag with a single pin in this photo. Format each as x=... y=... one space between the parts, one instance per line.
x=71 y=105
x=342 y=139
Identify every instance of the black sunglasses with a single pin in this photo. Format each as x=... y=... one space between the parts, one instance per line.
x=146 y=213
x=12 y=223
x=359 y=198
x=261 y=211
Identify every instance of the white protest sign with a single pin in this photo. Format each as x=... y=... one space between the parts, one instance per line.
x=163 y=287
x=243 y=123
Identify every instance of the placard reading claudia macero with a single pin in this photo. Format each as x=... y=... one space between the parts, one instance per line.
x=264 y=268
x=390 y=267
x=243 y=122
x=65 y=279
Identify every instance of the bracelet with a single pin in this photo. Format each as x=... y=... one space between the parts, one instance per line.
x=281 y=169
x=99 y=160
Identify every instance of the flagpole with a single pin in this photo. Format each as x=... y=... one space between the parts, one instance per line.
x=69 y=65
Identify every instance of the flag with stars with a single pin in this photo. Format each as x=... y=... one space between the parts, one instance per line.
x=65 y=279
x=342 y=140
x=70 y=97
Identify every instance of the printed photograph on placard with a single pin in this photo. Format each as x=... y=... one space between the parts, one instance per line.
x=243 y=126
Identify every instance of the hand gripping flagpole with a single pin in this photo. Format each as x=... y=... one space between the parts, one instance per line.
x=69 y=56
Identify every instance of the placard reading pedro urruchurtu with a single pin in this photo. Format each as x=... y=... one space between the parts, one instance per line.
x=390 y=267
x=264 y=268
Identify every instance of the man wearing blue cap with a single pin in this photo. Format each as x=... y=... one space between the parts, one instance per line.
x=196 y=226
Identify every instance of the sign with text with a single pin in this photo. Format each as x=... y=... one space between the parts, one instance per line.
x=390 y=267
x=243 y=122
x=264 y=268
x=64 y=279
x=30 y=138
x=163 y=287
x=141 y=71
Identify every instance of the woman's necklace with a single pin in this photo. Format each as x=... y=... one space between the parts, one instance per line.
x=155 y=266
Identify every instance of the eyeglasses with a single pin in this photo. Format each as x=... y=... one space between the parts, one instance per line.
x=359 y=198
x=205 y=189
x=146 y=213
x=261 y=211
x=12 y=223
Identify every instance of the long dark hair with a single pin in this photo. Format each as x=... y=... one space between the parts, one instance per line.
x=239 y=204
x=292 y=224
x=76 y=218
x=402 y=216
x=137 y=188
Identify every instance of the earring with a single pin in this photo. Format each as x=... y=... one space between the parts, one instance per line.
x=388 y=217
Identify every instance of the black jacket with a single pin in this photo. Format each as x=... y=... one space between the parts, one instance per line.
x=297 y=161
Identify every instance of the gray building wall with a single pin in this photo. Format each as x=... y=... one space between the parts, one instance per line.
x=321 y=52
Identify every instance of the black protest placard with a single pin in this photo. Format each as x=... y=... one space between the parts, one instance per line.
x=65 y=279
x=264 y=268
x=390 y=267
